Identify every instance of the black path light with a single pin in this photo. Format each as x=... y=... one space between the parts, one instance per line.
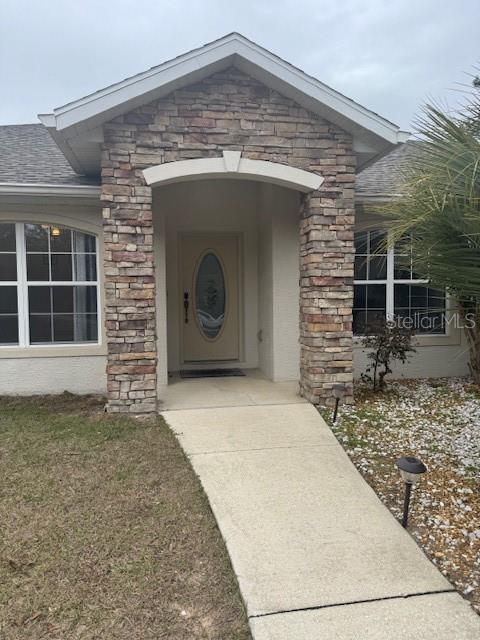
x=411 y=469
x=338 y=390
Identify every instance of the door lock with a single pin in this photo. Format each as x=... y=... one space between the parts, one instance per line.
x=186 y=304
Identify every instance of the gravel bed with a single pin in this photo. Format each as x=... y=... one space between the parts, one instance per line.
x=437 y=421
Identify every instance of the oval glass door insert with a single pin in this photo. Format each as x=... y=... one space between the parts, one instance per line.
x=210 y=296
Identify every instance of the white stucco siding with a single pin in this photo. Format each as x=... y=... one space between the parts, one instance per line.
x=265 y=284
x=279 y=282
x=435 y=361
x=32 y=376
x=286 y=285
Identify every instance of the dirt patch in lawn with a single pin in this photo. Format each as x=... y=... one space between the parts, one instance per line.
x=437 y=421
x=105 y=531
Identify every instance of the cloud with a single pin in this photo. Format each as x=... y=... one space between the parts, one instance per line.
x=389 y=56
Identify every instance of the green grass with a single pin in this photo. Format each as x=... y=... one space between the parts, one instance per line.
x=105 y=531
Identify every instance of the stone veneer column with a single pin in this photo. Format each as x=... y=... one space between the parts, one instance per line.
x=129 y=281
x=326 y=285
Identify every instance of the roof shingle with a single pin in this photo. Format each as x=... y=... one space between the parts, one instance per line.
x=28 y=154
x=385 y=177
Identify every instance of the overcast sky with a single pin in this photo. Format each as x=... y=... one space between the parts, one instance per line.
x=390 y=56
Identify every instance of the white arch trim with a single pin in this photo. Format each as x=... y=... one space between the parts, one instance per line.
x=232 y=165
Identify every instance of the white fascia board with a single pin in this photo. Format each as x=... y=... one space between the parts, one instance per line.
x=223 y=51
x=365 y=197
x=58 y=190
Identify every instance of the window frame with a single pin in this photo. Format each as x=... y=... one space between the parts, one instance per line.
x=23 y=285
x=390 y=281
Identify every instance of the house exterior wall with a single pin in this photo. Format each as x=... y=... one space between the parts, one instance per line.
x=55 y=368
x=54 y=374
x=279 y=346
x=226 y=111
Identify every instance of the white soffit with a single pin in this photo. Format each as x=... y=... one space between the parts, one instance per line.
x=75 y=126
x=232 y=165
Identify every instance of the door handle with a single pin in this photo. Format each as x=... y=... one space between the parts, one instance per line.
x=186 y=304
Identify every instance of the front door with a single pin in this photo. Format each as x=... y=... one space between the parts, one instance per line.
x=210 y=298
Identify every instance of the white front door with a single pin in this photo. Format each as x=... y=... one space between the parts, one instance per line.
x=210 y=298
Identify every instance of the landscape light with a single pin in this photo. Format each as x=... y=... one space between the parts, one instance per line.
x=338 y=390
x=411 y=470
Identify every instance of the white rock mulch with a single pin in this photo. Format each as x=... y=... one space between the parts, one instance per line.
x=438 y=421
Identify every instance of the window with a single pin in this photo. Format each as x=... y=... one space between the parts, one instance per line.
x=385 y=287
x=48 y=285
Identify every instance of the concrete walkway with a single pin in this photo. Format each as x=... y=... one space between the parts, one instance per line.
x=316 y=554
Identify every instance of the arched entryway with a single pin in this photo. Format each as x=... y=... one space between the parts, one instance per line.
x=227 y=277
x=233 y=165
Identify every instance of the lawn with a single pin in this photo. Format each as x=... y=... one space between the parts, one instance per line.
x=105 y=531
x=437 y=421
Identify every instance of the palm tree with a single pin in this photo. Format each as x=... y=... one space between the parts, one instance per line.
x=440 y=209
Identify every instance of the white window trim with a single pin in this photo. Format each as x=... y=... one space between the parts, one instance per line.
x=22 y=284
x=390 y=281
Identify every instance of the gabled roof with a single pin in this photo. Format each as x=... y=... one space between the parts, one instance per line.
x=76 y=126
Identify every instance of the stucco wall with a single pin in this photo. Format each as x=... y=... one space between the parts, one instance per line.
x=279 y=291
x=30 y=376
x=435 y=361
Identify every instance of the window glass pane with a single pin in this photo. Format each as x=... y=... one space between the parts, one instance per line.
x=63 y=328
x=61 y=266
x=63 y=299
x=37 y=266
x=375 y=319
x=83 y=242
x=360 y=271
x=402 y=265
x=39 y=299
x=40 y=328
x=377 y=241
x=361 y=242
x=422 y=306
x=400 y=273
x=377 y=268
x=60 y=240
x=434 y=322
x=376 y=296
x=85 y=299
x=359 y=321
x=8 y=300
x=369 y=302
x=85 y=267
x=418 y=296
x=401 y=295
x=7 y=237
x=360 y=296
x=436 y=298
x=8 y=267
x=8 y=329
x=86 y=327
x=36 y=237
